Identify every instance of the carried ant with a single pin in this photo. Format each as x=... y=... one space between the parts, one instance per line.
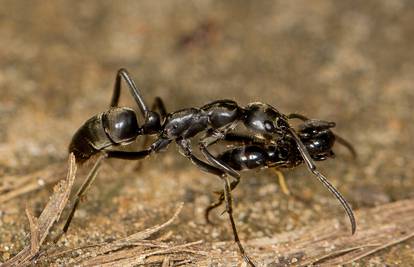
x=252 y=153
x=119 y=126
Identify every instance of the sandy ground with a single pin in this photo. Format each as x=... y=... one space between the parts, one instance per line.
x=348 y=62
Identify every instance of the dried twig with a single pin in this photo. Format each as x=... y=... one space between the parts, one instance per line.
x=323 y=244
x=129 y=251
x=135 y=256
x=326 y=243
x=150 y=231
x=40 y=227
x=379 y=248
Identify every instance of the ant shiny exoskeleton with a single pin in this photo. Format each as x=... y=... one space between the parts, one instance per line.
x=119 y=126
x=252 y=153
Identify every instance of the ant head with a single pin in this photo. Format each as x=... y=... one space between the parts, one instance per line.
x=318 y=138
x=121 y=125
x=265 y=119
x=152 y=123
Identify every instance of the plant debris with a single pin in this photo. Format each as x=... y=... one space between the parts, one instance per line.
x=40 y=227
x=326 y=243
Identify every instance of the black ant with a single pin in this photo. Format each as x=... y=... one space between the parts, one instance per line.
x=316 y=135
x=119 y=126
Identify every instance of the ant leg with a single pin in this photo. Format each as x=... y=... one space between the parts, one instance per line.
x=219 y=201
x=312 y=168
x=204 y=143
x=82 y=190
x=129 y=155
x=135 y=92
x=133 y=155
x=243 y=139
x=158 y=145
x=282 y=182
x=209 y=140
x=186 y=151
x=213 y=206
x=159 y=104
x=229 y=210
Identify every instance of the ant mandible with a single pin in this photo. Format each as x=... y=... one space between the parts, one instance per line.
x=119 y=126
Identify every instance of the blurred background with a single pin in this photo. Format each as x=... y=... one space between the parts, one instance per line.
x=351 y=62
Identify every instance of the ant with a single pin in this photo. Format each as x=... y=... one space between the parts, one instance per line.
x=316 y=135
x=119 y=126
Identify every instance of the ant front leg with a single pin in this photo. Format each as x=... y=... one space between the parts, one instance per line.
x=81 y=192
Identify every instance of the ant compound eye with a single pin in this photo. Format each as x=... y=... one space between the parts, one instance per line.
x=120 y=124
x=269 y=127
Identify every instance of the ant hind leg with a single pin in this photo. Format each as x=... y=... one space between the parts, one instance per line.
x=133 y=89
x=82 y=191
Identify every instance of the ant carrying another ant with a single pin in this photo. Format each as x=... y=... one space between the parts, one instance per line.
x=272 y=142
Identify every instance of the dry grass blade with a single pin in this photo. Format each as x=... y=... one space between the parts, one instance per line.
x=34 y=232
x=327 y=244
x=136 y=256
x=41 y=226
x=150 y=231
x=130 y=251
x=120 y=251
x=135 y=239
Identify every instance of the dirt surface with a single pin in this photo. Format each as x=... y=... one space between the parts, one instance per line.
x=345 y=61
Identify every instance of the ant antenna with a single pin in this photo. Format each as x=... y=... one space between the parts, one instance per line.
x=312 y=167
x=346 y=144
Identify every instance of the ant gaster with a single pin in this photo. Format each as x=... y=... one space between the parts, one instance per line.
x=119 y=126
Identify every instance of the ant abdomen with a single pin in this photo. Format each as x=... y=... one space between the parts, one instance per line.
x=245 y=157
x=114 y=127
